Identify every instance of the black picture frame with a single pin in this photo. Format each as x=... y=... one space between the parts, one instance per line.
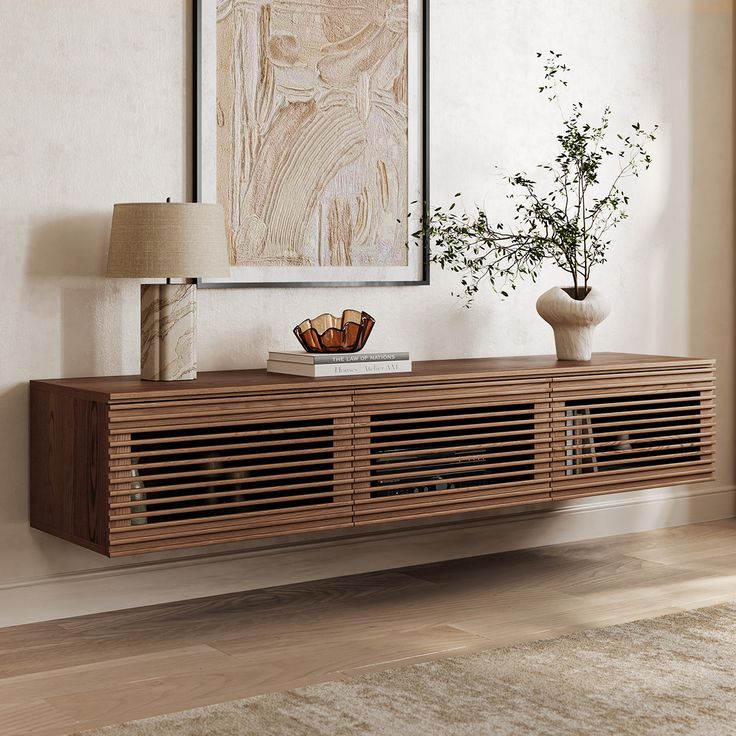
x=424 y=280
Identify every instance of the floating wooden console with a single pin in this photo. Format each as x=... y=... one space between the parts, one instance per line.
x=125 y=466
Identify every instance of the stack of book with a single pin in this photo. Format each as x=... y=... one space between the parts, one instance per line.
x=317 y=365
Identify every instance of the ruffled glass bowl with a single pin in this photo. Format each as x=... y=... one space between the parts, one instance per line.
x=329 y=334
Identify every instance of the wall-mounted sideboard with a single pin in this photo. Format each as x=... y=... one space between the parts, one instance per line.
x=124 y=466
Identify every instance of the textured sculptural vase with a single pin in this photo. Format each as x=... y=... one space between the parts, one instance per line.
x=573 y=320
x=168 y=332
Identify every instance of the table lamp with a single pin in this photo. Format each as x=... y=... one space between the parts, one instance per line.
x=172 y=241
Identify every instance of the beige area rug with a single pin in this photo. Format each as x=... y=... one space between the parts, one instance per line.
x=670 y=675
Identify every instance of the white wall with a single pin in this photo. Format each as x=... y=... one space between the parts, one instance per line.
x=95 y=110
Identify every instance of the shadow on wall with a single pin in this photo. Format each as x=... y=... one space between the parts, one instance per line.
x=14 y=417
x=712 y=267
x=69 y=246
x=81 y=315
x=68 y=256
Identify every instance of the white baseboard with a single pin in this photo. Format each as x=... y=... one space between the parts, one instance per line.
x=149 y=583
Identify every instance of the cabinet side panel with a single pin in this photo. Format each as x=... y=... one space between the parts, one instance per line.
x=90 y=472
x=67 y=468
x=41 y=459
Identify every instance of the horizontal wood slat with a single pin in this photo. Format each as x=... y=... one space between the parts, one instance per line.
x=662 y=374
x=616 y=471
x=418 y=441
x=400 y=402
x=463 y=389
x=250 y=497
x=222 y=451
x=152 y=514
x=389 y=454
x=240 y=468
x=641 y=436
x=234 y=481
x=625 y=485
x=223 y=535
x=449 y=476
x=469 y=431
x=229 y=421
x=510 y=417
x=475 y=491
x=243 y=520
x=664 y=401
x=446 y=508
x=539 y=459
x=201 y=534
x=706 y=448
x=255 y=401
x=282 y=433
x=639 y=425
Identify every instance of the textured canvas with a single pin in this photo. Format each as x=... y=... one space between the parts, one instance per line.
x=312 y=131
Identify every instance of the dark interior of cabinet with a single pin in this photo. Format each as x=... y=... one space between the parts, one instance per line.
x=195 y=473
x=632 y=432
x=449 y=448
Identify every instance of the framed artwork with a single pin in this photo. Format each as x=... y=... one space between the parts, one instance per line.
x=311 y=129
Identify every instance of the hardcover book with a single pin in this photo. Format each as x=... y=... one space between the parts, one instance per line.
x=299 y=356
x=319 y=370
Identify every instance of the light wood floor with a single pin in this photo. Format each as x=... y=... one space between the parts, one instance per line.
x=77 y=673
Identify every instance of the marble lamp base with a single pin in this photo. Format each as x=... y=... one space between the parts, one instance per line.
x=168 y=332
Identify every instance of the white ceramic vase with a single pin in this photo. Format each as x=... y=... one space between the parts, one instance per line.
x=573 y=320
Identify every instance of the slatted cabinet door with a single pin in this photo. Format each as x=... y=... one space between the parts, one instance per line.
x=625 y=432
x=446 y=449
x=192 y=472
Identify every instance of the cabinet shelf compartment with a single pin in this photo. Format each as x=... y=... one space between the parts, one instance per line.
x=256 y=468
x=658 y=431
x=471 y=447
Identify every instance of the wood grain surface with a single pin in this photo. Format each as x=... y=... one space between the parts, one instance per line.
x=123 y=388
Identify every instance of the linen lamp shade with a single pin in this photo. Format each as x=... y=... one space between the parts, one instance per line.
x=167 y=240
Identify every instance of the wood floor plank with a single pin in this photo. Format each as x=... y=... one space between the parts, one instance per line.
x=503 y=630
x=218 y=611
x=34 y=717
x=689 y=550
x=723 y=563
x=47 y=634
x=686 y=539
x=114 y=673
x=110 y=636
x=535 y=571
x=294 y=660
x=308 y=652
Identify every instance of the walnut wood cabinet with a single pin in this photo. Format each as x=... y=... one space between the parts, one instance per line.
x=124 y=466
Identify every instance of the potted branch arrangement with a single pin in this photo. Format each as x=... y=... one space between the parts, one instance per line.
x=563 y=216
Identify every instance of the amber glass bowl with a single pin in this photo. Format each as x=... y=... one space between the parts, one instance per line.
x=329 y=334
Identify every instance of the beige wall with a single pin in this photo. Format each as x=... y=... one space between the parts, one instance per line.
x=94 y=110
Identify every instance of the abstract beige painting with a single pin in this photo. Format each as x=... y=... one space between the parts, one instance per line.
x=312 y=132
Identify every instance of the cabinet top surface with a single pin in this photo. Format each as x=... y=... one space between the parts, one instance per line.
x=121 y=388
